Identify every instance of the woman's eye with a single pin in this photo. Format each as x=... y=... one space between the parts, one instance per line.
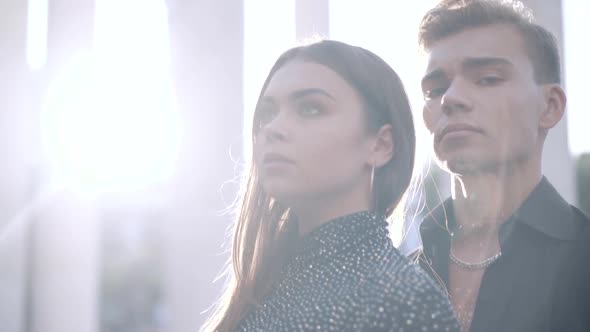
x=265 y=115
x=309 y=109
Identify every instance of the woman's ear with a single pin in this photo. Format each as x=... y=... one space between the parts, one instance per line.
x=554 y=108
x=383 y=146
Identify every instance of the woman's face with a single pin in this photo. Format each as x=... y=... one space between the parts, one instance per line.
x=312 y=142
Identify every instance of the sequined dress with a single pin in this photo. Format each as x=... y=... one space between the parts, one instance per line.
x=347 y=276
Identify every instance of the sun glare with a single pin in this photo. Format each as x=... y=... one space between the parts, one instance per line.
x=109 y=121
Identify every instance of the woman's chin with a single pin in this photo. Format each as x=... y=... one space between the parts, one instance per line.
x=282 y=191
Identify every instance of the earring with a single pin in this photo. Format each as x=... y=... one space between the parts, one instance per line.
x=372 y=188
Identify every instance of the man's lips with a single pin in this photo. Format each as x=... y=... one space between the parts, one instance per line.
x=456 y=128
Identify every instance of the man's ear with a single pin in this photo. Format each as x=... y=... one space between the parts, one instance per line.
x=383 y=145
x=554 y=106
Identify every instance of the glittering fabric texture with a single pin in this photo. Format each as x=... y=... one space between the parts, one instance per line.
x=347 y=276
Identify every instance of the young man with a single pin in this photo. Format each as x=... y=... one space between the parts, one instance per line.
x=492 y=93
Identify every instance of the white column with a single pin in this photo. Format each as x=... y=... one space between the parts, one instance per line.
x=17 y=155
x=558 y=163
x=65 y=248
x=207 y=55
x=312 y=18
x=65 y=275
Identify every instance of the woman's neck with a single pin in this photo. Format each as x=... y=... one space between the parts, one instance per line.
x=318 y=211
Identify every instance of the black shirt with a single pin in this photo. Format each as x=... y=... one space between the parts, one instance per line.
x=518 y=291
x=347 y=276
x=571 y=307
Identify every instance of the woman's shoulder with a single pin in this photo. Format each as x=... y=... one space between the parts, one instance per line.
x=400 y=294
x=395 y=269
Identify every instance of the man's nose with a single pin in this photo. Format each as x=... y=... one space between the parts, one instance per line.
x=456 y=97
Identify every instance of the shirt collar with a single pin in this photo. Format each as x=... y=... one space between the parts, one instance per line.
x=547 y=212
x=543 y=210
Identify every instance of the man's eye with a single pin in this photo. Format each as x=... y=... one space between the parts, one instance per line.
x=489 y=80
x=434 y=93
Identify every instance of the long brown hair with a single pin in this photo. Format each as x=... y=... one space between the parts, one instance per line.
x=265 y=231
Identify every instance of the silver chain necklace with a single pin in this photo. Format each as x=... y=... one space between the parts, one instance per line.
x=474 y=266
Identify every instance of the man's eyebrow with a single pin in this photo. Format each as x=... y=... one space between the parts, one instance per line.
x=434 y=75
x=477 y=62
x=468 y=64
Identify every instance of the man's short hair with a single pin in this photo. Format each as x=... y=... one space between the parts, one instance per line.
x=453 y=16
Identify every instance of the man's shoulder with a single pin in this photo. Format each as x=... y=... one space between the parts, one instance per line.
x=571 y=301
x=580 y=216
x=583 y=221
x=556 y=209
x=547 y=212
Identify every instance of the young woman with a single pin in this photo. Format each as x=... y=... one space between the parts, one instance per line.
x=333 y=143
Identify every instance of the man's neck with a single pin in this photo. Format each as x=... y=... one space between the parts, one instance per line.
x=483 y=202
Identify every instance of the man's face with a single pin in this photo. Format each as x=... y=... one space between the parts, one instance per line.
x=482 y=103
